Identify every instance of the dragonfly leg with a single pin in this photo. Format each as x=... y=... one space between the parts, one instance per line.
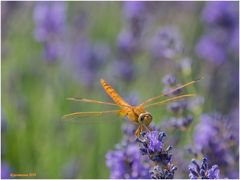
x=147 y=128
x=139 y=130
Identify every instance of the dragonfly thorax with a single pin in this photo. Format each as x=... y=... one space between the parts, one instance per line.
x=145 y=118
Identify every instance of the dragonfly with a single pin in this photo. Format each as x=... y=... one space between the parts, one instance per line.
x=136 y=114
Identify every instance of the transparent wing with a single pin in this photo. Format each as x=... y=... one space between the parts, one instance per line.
x=176 y=98
x=171 y=91
x=90 y=116
x=90 y=101
x=94 y=101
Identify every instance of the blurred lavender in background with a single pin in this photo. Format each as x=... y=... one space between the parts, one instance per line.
x=88 y=59
x=166 y=44
x=218 y=141
x=129 y=39
x=218 y=46
x=50 y=24
x=221 y=23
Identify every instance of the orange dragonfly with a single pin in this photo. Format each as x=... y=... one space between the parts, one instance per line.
x=136 y=114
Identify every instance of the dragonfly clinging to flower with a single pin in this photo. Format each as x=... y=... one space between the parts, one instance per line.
x=136 y=114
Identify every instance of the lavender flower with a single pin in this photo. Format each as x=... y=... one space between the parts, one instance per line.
x=124 y=69
x=88 y=59
x=213 y=138
x=169 y=80
x=159 y=173
x=219 y=13
x=127 y=162
x=210 y=50
x=129 y=39
x=205 y=131
x=49 y=20
x=203 y=171
x=178 y=107
x=135 y=15
x=181 y=123
x=133 y=9
x=151 y=144
x=126 y=43
x=221 y=22
x=166 y=44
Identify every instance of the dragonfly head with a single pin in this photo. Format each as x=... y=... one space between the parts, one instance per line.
x=145 y=118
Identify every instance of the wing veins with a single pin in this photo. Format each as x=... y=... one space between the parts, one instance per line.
x=94 y=101
x=170 y=100
x=171 y=91
x=96 y=113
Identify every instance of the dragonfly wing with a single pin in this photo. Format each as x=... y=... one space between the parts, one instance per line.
x=90 y=115
x=171 y=91
x=169 y=100
x=91 y=101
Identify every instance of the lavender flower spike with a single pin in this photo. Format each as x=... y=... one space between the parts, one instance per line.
x=203 y=171
x=151 y=144
x=126 y=162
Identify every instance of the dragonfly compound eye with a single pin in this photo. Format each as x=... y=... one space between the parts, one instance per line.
x=145 y=118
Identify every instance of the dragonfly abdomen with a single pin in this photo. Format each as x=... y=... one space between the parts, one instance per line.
x=113 y=94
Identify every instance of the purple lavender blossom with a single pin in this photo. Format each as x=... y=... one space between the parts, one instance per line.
x=220 y=13
x=205 y=132
x=221 y=23
x=129 y=39
x=124 y=69
x=169 y=80
x=135 y=15
x=166 y=44
x=181 y=123
x=151 y=144
x=215 y=138
x=159 y=173
x=127 y=162
x=208 y=49
x=49 y=20
x=155 y=141
x=203 y=171
x=88 y=59
x=170 y=83
x=126 y=42
x=133 y=9
x=178 y=107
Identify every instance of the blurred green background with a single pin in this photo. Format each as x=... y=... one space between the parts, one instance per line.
x=34 y=90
